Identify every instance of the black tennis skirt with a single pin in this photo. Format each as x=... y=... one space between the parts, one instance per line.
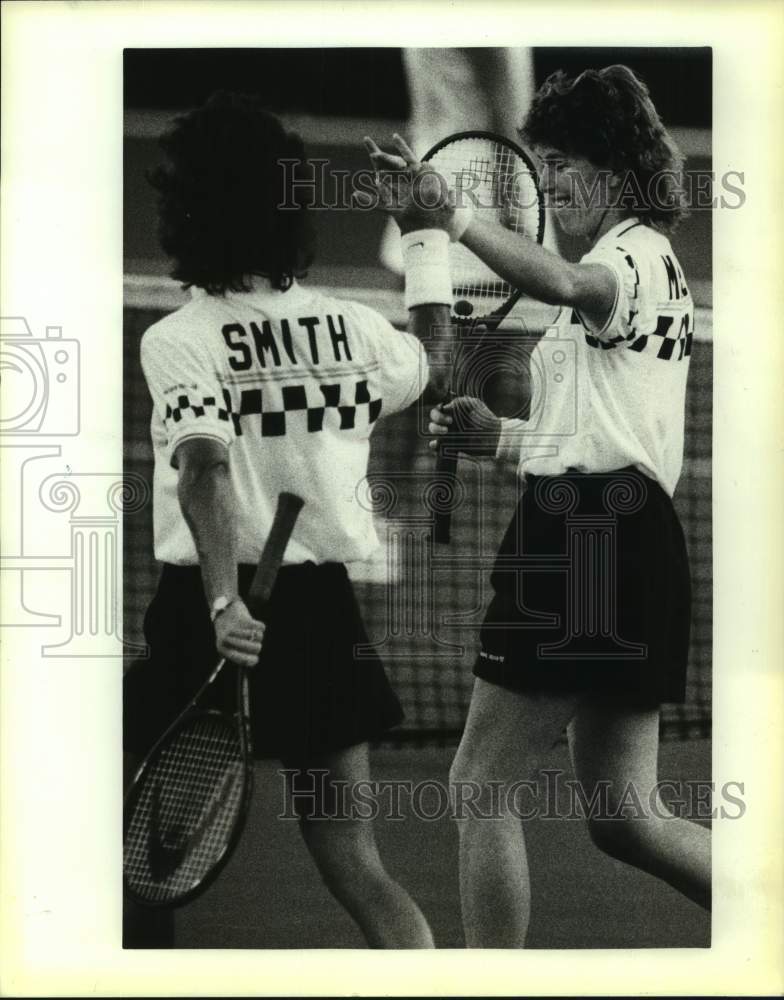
x=310 y=693
x=591 y=591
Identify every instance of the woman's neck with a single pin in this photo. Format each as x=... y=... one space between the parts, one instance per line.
x=608 y=221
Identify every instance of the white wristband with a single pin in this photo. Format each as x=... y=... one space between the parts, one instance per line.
x=426 y=264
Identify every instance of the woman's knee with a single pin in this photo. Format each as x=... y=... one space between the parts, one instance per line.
x=472 y=776
x=481 y=758
x=507 y=734
x=623 y=838
x=344 y=850
x=466 y=766
x=478 y=781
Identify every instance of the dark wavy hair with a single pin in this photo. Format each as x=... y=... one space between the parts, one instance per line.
x=218 y=197
x=607 y=116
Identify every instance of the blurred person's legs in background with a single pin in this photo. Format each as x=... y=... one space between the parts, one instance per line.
x=459 y=90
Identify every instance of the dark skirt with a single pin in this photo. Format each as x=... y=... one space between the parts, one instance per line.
x=311 y=694
x=591 y=591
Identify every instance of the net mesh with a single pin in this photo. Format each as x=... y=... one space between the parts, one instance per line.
x=181 y=818
x=500 y=186
x=425 y=624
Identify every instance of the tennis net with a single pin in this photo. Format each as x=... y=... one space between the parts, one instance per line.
x=425 y=622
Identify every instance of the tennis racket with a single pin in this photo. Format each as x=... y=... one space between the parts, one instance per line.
x=502 y=184
x=186 y=808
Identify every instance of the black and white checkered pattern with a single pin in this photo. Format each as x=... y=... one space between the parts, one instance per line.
x=272 y=422
x=670 y=339
x=673 y=344
x=225 y=412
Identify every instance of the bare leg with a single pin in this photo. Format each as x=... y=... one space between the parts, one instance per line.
x=347 y=857
x=620 y=746
x=505 y=736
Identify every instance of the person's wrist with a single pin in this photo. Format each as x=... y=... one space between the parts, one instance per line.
x=454 y=221
x=417 y=224
x=221 y=604
x=414 y=224
x=426 y=266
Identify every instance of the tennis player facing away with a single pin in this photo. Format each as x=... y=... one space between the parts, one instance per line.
x=261 y=386
x=614 y=447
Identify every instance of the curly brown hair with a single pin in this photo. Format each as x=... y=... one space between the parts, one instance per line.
x=607 y=116
x=219 y=197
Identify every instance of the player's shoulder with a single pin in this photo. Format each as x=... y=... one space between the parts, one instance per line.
x=653 y=269
x=183 y=325
x=377 y=337
x=641 y=241
x=632 y=236
x=363 y=321
x=640 y=255
x=358 y=312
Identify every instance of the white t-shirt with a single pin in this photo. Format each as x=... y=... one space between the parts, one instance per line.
x=605 y=399
x=293 y=382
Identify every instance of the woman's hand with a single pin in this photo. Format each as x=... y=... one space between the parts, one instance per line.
x=479 y=428
x=415 y=195
x=238 y=635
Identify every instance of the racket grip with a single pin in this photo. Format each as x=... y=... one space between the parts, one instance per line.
x=286 y=514
x=446 y=468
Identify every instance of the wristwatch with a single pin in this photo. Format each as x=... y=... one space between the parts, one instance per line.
x=219 y=605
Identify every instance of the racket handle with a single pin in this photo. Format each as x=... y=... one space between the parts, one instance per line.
x=446 y=468
x=286 y=514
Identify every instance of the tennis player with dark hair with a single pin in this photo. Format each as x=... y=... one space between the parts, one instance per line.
x=596 y=652
x=261 y=386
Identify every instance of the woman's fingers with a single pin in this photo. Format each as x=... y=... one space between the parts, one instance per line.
x=383 y=199
x=439 y=417
x=240 y=649
x=241 y=643
x=241 y=659
x=387 y=197
x=405 y=150
x=246 y=637
x=388 y=161
x=238 y=657
x=244 y=645
x=440 y=423
x=362 y=199
x=382 y=160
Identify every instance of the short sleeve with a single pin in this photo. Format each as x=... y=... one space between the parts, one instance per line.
x=185 y=388
x=629 y=317
x=404 y=370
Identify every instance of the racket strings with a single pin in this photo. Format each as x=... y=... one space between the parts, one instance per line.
x=185 y=810
x=501 y=187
